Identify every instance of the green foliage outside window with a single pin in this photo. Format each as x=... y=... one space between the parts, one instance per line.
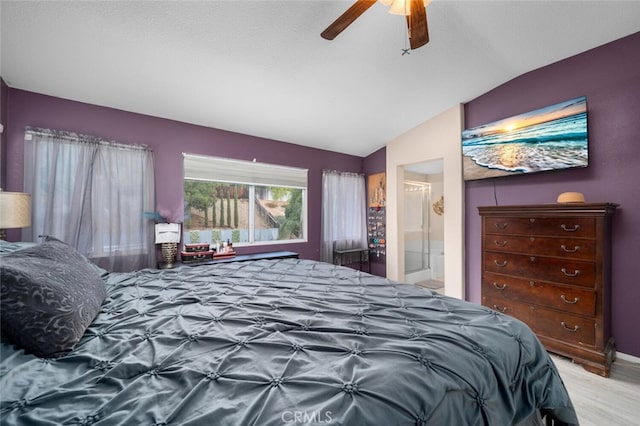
x=291 y=224
x=219 y=210
x=228 y=217
x=201 y=196
x=236 y=218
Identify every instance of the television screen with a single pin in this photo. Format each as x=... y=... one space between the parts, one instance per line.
x=550 y=138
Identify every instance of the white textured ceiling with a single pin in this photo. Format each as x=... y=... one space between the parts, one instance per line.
x=261 y=67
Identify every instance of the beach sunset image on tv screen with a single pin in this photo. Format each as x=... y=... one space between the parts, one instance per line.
x=550 y=138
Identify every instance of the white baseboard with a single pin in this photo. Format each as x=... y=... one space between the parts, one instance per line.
x=626 y=357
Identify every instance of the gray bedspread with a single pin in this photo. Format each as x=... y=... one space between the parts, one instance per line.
x=277 y=342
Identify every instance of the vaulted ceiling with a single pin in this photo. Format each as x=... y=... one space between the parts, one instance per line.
x=261 y=67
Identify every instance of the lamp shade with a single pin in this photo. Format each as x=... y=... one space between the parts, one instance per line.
x=167 y=233
x=15 y=210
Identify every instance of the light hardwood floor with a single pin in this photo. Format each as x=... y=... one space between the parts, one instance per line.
x=603 y=401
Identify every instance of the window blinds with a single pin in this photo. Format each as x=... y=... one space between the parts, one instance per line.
x=199 y=167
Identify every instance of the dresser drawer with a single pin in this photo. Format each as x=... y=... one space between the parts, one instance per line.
x=576 y=227
x=574 y=248
x=547 y=322
x=565 y=271
x=563 y=326
x=564 y=298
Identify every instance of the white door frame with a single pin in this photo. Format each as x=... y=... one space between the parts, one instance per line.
x=437 y=138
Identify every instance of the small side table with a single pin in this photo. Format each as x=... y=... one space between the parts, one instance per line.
x=340 y=256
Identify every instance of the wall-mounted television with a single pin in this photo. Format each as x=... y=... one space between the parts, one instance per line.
x=550 y=138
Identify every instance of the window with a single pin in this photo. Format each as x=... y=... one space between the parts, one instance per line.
x=344 y=214
x=243 y=202
x=92 y=194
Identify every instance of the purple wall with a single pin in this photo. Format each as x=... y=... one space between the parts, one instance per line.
x=168 y=139
x=4 y=90
x=609 y=76
x=372 y=164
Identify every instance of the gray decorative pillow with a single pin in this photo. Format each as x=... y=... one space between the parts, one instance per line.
x=49 y=295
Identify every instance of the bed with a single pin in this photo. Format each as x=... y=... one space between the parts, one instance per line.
x=267 y=342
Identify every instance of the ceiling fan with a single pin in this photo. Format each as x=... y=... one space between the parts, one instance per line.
x=414 y=10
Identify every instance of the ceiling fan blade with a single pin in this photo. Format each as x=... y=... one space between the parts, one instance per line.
x=347 y=18
x=417 y=23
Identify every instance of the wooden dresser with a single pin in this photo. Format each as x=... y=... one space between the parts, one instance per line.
x=549 y=266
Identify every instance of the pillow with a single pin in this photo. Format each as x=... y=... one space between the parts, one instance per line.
x=49 y=295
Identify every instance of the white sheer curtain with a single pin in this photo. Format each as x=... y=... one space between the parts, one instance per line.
x=343 y=213
x=92 y=194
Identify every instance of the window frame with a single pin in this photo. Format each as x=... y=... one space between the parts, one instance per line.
x=252 y=175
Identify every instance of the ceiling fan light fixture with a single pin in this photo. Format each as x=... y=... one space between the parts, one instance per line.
x=413 y=11
x=400 y=7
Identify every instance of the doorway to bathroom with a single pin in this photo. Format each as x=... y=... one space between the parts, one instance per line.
x=424 y=225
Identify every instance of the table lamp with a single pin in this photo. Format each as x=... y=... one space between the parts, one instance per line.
x=15 y=211
x=168 y=235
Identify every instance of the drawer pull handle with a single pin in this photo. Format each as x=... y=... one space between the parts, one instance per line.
x=571 y=274
x=573 y=330
x=500 y=264
x=574 y=301
x=566 y=228
x=499 y=287
x=500 y=308
x=501 y=225
x=573 y=250
x=500 y=244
